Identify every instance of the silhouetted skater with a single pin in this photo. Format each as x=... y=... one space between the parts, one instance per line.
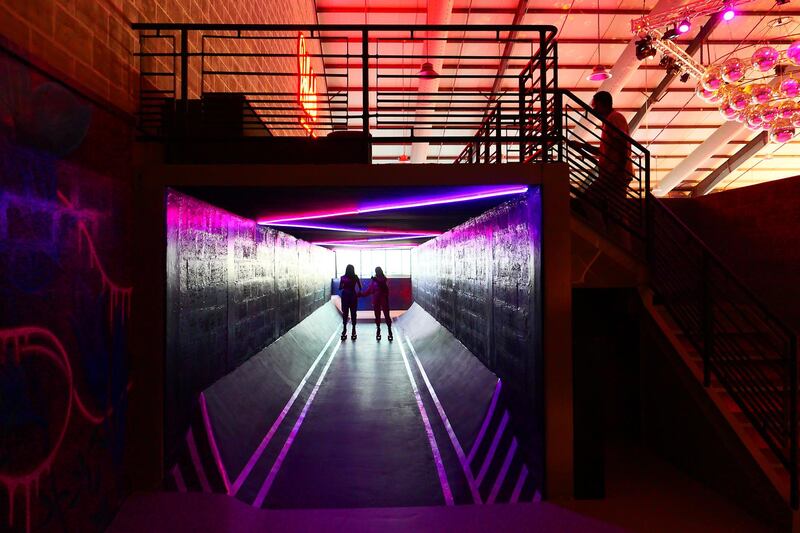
x=349 y=294
x=379 y=289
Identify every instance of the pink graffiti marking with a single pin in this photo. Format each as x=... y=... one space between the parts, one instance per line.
x=119 y=296
x=29 y=341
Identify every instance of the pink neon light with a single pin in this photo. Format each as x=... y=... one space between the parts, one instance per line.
x=493 y=448
x=240 y=479
x=473 y=487
x=523 y=475
x=486 y=421
x=376 y=246
x=498 y=482
x=352 y=229
x=437 y=457
x=198 y=465
x=276 y=466
x=408 y=204
x=375 y=239
x=213 y=443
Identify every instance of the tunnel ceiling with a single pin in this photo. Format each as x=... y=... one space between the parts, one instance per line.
x=269 y=202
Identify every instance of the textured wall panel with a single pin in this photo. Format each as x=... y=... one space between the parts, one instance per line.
x=480 y=280
x=233 y=287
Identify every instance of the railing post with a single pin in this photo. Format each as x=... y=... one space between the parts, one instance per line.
x=499 y=134
x=558 y=121
x=707 y=320
x=543 y=96
x=792 y=392
x=365 y=82
x=185 y=71
x=522 y=118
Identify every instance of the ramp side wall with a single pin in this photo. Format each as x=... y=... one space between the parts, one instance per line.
x=233 y=287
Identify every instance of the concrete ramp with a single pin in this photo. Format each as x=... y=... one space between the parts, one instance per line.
x=316 y=422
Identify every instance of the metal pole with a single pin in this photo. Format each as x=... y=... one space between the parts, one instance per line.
x=708 y=320
x=365 y=82
x=499 y=134
x=185 y=70
x=793 y=481
x=543 y=94
x=522 y=117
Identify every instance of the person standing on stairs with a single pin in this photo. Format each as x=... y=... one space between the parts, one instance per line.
x=349 y=295
x=379 y=289
x=609 y=189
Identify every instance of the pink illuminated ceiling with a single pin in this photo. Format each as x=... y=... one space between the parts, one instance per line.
x=673 y=128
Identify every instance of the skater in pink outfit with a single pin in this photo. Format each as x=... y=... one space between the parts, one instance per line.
x=379 y=289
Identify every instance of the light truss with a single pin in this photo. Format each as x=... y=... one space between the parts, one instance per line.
x=699 y=8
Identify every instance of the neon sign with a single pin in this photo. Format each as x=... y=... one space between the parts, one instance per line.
x=306 y=86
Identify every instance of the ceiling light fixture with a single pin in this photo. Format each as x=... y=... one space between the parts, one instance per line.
x=599 y=72
x=427 y=72
x=684 y=26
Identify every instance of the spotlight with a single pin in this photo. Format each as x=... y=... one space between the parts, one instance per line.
x=781 y=2
x=684 y=26
x=670 y=35
x=728 y=13
x=684 y=77
x=644 y=49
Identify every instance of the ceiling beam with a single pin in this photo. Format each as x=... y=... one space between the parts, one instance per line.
x=669 y=77
x=735 y=161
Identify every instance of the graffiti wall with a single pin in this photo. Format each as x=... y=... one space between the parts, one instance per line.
x=65 y=297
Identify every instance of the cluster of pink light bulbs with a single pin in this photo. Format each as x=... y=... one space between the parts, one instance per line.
x=760 y=106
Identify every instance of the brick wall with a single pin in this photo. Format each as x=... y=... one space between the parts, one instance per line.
x=90 y=43
x=233 y=287
x=756 y=232
x=480 y=280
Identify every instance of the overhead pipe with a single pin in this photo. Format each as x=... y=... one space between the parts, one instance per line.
x=439 y=12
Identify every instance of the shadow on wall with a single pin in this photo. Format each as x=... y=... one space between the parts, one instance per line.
x=65 y=299
x=233 y=287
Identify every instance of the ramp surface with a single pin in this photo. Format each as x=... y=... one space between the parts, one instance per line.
x=316 y=422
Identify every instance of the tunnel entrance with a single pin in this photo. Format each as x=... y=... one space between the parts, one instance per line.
x=267 y=403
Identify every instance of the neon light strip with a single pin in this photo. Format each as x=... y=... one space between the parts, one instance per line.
x=503 y=472
x=492 y=449
x=387 y=246
x=408 y=204
x=350 y=229
x=437 y=458
x=276 y=466
x=198 y=465
x=473 y=487
x=213 y=443
x=242 y=477
x=523 y=475
x=178 y=477
x=485 y=424
x=375 y=239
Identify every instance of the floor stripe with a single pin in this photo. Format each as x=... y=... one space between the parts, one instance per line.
x=178 y=477
x=523 y=475
x=198 y=465
x=213 y=443
x=485 y=424
x=276 y=466
x=437 y=458
x=473 y=487
x=490 y=455
x=251 y=463
x=503 y=471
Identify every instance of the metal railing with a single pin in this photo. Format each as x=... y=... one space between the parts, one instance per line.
x=750 y=351
x=363 y=81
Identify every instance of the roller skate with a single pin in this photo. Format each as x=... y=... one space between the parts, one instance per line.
x=353 y=335
x=390 y=337
x=378 y=334
x=344 y=334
